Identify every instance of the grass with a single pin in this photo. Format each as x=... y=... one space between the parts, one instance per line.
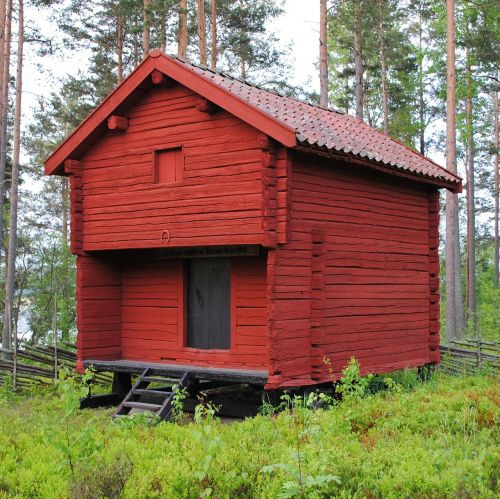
x=436 y=439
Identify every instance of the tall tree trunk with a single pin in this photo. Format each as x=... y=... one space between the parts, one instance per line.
x=421 y=89
x=65 y=211
x=182 y=33
x=136 y=50
x=213 y=35
x=145 y=31
x=366 y=102
x=385 y=106
x=323 y=54
x=243 y=69
x=163 y=30
x=4 y=108
x=421 y=107
x=202 y=32
x=119 y=45
x=471 y=213
x=358 y=60
x=65 y=203
x=12 y=249
x=4 y=104
x=497 y=185
x=453 y=289
x=3 y=18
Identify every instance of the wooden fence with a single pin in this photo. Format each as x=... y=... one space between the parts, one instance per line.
x=469 y=355
x=38 y=365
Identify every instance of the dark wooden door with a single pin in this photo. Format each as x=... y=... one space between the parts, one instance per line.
x=208 y=303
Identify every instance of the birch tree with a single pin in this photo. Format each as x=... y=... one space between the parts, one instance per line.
x=9 y=328
x=496 y=216
x=5 y=50
x=4 y=91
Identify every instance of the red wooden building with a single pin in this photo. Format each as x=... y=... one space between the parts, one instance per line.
x=230 y=229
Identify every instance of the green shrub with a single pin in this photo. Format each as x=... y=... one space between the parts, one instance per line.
x=439 y=439
x=101 y=479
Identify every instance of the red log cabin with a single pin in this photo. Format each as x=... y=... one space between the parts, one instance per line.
x=223 y=228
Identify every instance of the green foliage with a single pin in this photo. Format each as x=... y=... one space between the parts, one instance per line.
x=352 y=385
x=178 y=398
x=7 y=393
x=297 y=482
x=208 y=445
x=141 y=419
x=101 y=478
x=74 y=443
x=439 y=439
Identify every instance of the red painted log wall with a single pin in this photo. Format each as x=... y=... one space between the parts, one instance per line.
x=153 y=325
x=98 y=298
x=359 y=276
x=219 y=200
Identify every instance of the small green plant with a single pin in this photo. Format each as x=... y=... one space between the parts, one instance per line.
x=130 y=421
x=7 y=393
x=75 y=442
x=179 y=396
x=298 y=483
x=210 y=445
x=392 y=386
x=353 y=386
x=267 y=408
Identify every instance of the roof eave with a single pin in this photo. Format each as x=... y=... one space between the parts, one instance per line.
x=455 y=187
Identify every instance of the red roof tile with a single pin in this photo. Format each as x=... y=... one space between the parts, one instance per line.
x=330 y=129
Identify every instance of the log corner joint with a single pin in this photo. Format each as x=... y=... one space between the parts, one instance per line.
x=205 y=106
x=119 y=123
x=72 y=167
x=159 y=79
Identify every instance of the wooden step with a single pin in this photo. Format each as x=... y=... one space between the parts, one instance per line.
x=145 y=391
x=161 y=409
x=141 y=405
x=156 y=379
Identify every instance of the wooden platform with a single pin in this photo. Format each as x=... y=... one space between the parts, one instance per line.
x=200 y=373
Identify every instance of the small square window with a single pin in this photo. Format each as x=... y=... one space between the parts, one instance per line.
x=168 y=166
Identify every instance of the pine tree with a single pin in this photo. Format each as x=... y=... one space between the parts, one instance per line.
x=213 y=34
x=323 y=54
x=202 y=31
x=182 y=34
x=454 y=300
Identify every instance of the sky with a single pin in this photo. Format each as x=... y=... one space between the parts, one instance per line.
x=43 y=74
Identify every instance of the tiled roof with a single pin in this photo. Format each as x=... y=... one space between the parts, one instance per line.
x=330 y=129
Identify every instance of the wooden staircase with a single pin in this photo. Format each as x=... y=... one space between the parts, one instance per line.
x=157 y=400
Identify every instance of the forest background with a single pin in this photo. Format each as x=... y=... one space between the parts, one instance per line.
x=423 y=71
